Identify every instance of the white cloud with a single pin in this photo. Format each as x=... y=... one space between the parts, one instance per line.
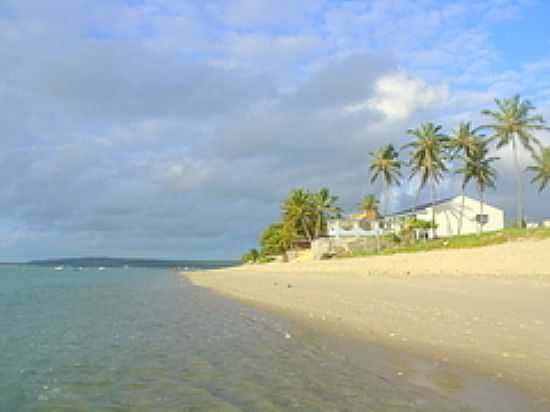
x=397 y=96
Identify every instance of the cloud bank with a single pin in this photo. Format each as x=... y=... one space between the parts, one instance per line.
x=173 y=129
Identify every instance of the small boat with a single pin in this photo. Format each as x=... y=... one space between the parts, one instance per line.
x=59 y=267
x=101 y=268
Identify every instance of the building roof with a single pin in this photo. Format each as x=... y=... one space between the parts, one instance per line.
x=422 y=207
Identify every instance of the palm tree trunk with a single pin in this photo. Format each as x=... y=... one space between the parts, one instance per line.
x=306 y=230
x=318 y=225
x=519 y=219
x=432 y=186
x=482 y=222
x=386 y=198
x=386 y=201
x=461 y=220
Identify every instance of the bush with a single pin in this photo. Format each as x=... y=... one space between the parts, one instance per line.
x=252 y=256
x=393 y=238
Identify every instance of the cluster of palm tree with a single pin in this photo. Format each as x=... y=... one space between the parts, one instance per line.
x=308 y=212
x=432 y=151
x=304 y=215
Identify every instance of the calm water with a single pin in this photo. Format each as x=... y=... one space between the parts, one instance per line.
x=146 y=340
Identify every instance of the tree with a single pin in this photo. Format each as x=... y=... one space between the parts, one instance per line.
x=386 y=165
x=478 y=168
x=369 y=205
x=541 y=168
x=513 y=124
x=428 y=158
x=463 y=140
x=462 y=144
x=277 y=238
x=251 y=256
x=325 y=209
x=299 y=212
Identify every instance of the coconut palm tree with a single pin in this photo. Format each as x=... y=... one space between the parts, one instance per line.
x=462 y=143
x=541 y=168
x=513 y=124
x=478 y=168
x=463 y=140
x=298 y=211
x=428 y=158
x=325 y=209
x=370 y=205
x=277 y=238
x=386 y=165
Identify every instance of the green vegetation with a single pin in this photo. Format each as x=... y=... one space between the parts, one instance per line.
x=428 y=157
x=461 y=242
x=251 y=256
x=304 y=217
x=513 y=124
x=463 y=145
x=369 y=205
x=477 y=167
x=541 y=168
x=386 y=165
x=305 y=214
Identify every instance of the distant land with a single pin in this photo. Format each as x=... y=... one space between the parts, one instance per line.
x=133 y=262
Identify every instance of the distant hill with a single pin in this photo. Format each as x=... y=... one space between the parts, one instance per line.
x=132 y=262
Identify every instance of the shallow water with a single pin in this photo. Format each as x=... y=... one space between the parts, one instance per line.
x=147 y=340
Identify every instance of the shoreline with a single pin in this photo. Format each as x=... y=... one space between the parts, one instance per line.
x=495 y=323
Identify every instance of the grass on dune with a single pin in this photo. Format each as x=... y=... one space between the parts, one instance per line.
x=462 y=242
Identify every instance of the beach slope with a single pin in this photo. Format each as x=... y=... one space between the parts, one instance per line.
x=485 y=308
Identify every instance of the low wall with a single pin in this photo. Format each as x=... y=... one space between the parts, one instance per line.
x=325 y=248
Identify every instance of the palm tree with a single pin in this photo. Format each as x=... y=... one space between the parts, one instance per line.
x=277 y=238
x=463 y=140
x=428 y=158
x=478 y=168
x=462 y=143
x=298 y=210
x=541 y=168
x=325 y=209
x=513 y=124
x=386 y=165
x=369 y=205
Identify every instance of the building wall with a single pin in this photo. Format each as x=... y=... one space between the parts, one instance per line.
x=447 y=217
x=325 y=248
x=352 y=228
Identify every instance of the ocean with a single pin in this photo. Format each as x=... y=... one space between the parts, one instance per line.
x=145 y=339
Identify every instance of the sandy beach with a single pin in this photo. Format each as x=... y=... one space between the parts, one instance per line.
x=487 y=309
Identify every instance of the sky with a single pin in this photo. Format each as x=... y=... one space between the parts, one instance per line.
x=171 y=129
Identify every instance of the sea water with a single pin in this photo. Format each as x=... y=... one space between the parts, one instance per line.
x=124 y=339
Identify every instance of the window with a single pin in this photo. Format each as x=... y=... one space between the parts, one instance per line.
x=482 y=219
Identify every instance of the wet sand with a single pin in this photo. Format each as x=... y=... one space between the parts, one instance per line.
x=484 y=309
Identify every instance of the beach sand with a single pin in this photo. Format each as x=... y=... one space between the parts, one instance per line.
x=487 y=309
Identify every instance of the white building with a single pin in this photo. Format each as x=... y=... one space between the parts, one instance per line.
x=354 y=227
x=453 y=216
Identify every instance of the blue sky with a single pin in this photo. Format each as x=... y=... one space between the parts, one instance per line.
x=173 y=129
